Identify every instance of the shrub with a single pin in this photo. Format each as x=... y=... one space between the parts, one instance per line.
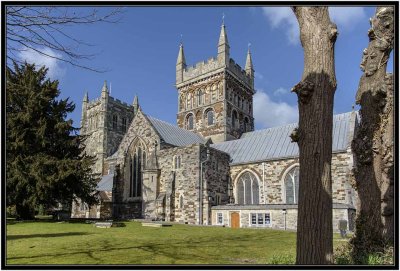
x=344 y=255
x=11 y=212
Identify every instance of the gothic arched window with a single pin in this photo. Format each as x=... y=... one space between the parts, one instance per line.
x=246 y=124
x=135 y=170
x=115 y=122
x=247 y=191
x=234 y=119
x=200 y=97
x=190 y=122
x=210 y=117
x=292 y=186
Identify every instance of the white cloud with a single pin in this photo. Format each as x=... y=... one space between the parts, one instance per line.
x=347 y=17
x=258 y=75
x=283 y=17
x=281 y=91
x=55 y=70
x=268 y=113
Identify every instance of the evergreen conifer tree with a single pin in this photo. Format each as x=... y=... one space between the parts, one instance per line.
x=45 y=163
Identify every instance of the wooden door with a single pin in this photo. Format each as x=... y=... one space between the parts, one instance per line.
x=235 y=223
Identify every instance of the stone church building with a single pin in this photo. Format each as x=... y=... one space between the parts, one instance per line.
x=211 y=168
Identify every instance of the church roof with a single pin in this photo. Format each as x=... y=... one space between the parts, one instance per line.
x=106 y=183
x=174 y=135
x=275 y=143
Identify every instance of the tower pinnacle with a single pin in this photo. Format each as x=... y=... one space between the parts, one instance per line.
x=223 y=47
x=180 y=64
x=105 y=88
x=135 y=104
x=86 y=97
x=181 y=56
x=249 y=62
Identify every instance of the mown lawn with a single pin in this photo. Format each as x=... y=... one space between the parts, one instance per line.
x=80 y=243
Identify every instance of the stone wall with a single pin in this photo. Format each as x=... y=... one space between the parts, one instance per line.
x=216 y=181
x=271 y=176
x=185 y=190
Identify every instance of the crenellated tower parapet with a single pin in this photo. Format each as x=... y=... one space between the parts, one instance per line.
x=215 y=97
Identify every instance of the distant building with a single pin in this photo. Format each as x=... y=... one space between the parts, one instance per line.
x=212 y=168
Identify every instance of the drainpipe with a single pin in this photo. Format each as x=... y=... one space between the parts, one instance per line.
x=263 y=180
x=284 y=217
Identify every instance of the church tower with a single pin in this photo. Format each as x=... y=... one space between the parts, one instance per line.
x=215 y=97
x=104 y=122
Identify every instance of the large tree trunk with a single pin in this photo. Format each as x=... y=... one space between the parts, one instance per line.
x=373 y=143
x=314 y=135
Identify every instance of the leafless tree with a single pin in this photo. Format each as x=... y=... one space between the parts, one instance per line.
x=314 y=135
x=39 y=27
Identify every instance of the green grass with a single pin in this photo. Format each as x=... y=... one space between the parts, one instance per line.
x=80 y=243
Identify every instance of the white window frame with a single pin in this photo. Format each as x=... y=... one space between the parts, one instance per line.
x=220 y=215
x=265 y=220
x=257 y=215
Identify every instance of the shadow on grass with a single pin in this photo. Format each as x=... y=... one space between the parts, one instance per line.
x=181 y=251
x=48 y=235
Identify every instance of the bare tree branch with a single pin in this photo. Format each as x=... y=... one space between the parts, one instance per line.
x=41 y=28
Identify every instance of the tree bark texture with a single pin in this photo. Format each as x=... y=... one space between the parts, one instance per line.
x=373 y=142
x=314 y=135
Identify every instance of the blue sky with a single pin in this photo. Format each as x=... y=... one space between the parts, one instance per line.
x=140 y=54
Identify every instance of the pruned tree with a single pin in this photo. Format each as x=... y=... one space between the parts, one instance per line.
x=314 y=135
x=38 y=28
x=373 y=143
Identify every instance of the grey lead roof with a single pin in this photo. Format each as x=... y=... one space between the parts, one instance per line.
x=174 y=135
x=106 y=183
x=275 y=143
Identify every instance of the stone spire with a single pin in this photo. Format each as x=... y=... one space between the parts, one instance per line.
x=104 y=90
x=86 y=97
x=249 y=67
x=180 y=64
x=223 y=47
x=249 y=62
x=181 y=56
x=135 y=104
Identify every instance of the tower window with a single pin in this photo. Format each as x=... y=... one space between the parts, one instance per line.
x=210 y=117
x=115 y=122
x=123 y=124
x=200 y=97
x=190 y=122
x=246 y=124
x=234 y=119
